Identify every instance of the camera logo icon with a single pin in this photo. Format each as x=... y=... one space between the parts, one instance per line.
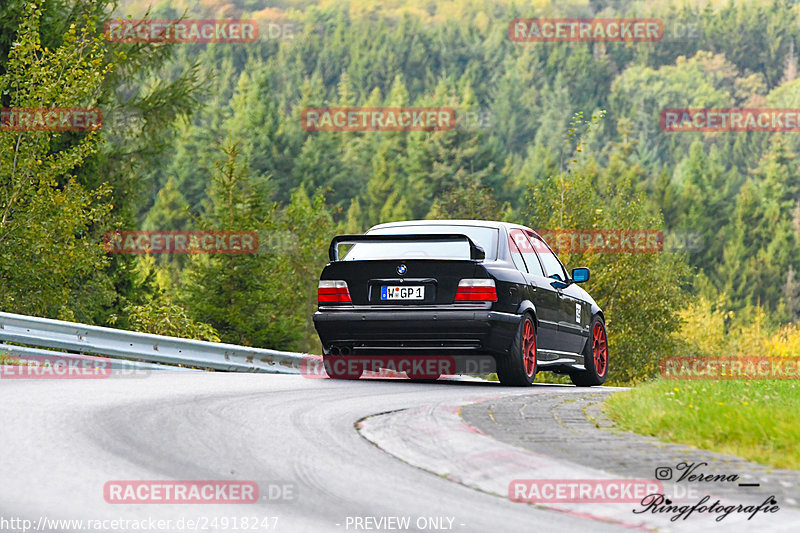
x=663 y=473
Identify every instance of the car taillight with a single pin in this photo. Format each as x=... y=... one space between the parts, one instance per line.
x=333 y=291
x=476 y=290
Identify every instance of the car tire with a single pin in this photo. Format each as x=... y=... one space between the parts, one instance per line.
x=339 y=367
x=595 y=356
x=518 y=369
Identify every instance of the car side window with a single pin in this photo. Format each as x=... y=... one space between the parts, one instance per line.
x=552 y=266
x=528 y=252
x=516 y=255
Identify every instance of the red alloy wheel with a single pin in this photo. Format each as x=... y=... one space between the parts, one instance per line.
x=529 y=347
x=600 y=349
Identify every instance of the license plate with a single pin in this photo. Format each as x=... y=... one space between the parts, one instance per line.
x=402 y=293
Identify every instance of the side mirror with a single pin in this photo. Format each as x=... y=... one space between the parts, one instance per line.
x=580 y=274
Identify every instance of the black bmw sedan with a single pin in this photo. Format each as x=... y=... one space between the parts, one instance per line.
x=453 y=289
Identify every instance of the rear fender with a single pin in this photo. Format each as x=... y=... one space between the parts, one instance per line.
x=526 y=306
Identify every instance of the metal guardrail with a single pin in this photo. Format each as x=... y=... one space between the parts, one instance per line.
x=35 y=356
x=109 y=342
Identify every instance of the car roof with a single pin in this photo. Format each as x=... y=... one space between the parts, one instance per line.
x=501 y=250
x=459 y=222
x=454 y=222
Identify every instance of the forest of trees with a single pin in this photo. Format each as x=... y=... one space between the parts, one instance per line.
x=208 y=136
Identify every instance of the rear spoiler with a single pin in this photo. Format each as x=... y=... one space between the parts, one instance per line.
x=475 y=251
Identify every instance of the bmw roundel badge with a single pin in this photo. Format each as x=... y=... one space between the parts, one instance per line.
x=401 y=269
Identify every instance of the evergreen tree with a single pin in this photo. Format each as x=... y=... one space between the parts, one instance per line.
x=170 y=212
x=763 y=244
x=706 y=193
x=258 y=121
x=238 y=294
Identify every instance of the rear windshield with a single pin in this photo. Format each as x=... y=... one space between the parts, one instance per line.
x=484 y=237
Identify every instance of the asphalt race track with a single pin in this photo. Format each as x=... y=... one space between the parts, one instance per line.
x=297 y=437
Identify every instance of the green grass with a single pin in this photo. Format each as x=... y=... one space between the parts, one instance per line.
x=757 y=420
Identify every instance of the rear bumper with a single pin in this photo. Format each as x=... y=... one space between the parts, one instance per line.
x=419 y=331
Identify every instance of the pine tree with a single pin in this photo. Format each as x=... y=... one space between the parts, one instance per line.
x=257 y=121
x=238 y=294
x=704 y=202
x=791 y=295
x=382 y=183
x=790 y=68
x=355 y=218
x=396 y=208
x=170 y=212
x=442 y=159
x=763 y=243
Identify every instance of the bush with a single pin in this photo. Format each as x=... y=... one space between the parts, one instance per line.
x=161 y=317
x=640 y=293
